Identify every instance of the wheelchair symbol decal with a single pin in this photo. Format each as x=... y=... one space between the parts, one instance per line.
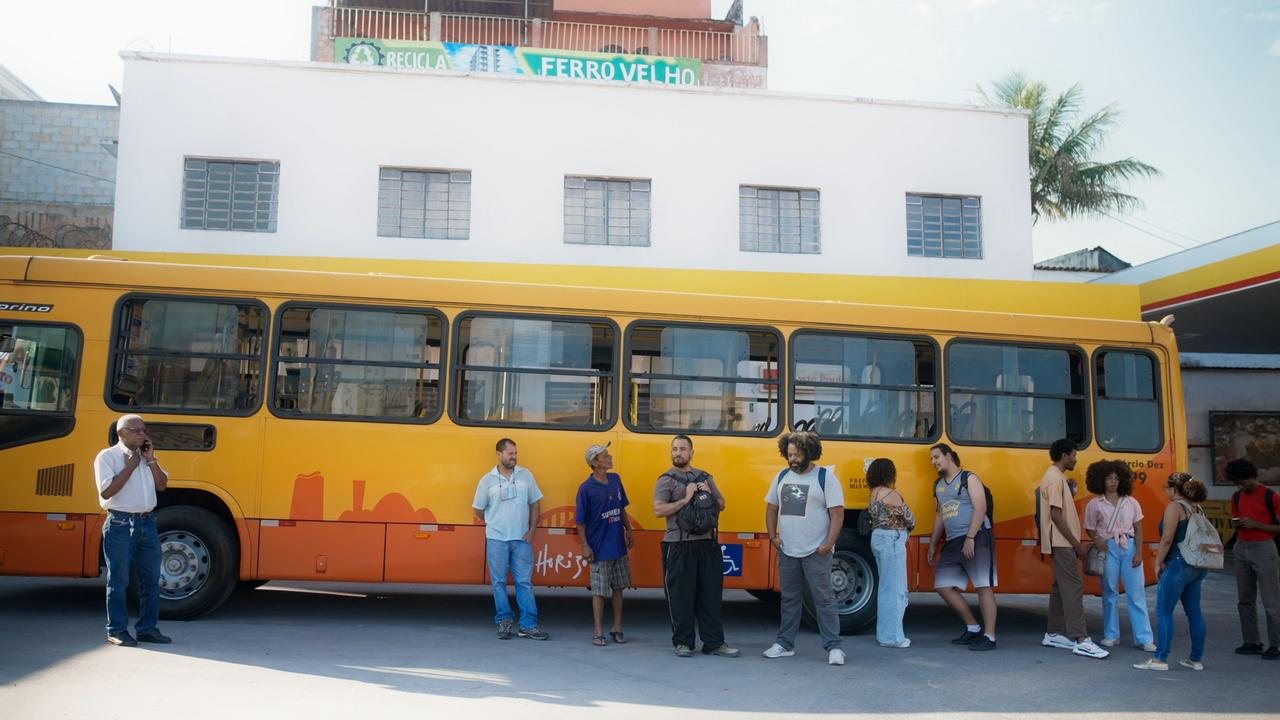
x=731 y=556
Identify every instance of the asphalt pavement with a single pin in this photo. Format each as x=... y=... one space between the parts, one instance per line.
x=292 y=649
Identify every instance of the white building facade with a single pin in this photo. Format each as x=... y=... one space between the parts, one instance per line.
x=243 y=157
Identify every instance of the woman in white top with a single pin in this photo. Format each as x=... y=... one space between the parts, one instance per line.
x=1114 y=519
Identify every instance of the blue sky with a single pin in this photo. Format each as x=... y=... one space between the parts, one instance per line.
x=1198 y=80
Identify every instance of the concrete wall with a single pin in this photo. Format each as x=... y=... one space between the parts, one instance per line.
x=332 y=126
x=1210 y=390
x=56 y=178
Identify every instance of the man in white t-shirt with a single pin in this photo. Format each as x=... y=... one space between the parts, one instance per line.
x=804 y=514
x=128 y=478
x=509 y=502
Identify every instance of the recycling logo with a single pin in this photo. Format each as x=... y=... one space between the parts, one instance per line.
x=364 y=52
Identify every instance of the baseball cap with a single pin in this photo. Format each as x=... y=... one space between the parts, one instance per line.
x=595 y=451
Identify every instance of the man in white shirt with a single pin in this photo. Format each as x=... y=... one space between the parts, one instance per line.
x=804 y=513
x=128 y=478
x=509 y=502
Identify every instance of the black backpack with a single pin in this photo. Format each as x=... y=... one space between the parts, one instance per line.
x=702 y=513
x=1267 y=499
x=986 y=491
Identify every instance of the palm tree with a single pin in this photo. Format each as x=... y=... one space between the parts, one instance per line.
x=1066 y=181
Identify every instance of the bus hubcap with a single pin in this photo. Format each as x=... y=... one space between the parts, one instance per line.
x=852 y=581
x=184 y=564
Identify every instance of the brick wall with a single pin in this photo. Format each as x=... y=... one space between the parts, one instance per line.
x=56 y=176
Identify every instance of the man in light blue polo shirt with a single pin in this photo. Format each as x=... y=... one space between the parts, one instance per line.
x=508 y=501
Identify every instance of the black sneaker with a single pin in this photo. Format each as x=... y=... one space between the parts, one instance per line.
x=123 y=639
x=154 y=636
x=533 y=634
x=1249 y=649
x=967 y=638
x=1272 y=653
x=982 y=642
x=505 y=630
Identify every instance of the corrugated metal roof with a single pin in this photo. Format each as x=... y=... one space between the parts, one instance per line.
x=1087 y=260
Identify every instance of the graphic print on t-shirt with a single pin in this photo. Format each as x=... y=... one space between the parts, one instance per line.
x=794 y=499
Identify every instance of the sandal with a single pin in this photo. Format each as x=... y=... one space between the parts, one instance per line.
x=598 y=641
x=618 y=637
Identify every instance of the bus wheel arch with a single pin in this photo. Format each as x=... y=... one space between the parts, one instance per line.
x=199 y=553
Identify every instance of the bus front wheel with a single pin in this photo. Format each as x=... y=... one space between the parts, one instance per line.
x=853 y=581
x=198 y=556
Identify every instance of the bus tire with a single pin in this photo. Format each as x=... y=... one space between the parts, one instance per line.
x=198 y=559
x=854 y=579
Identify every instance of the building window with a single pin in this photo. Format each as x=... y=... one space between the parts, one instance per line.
x=197 y=356
x=238 y=195
x=1127 y=404
x=864 y=388
x=1016 y=395
x=704 y=379
x=599 y=211
x=433 y=204
x=778 y=220
x=942 y=226
x=378 y=364
x=535 y=371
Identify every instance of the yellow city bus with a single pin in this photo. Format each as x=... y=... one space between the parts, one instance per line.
x=329 y=426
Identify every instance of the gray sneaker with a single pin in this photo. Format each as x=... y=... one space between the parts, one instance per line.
x=683 y=650
x=722 y=651
x=504 y=629
x=533 y=633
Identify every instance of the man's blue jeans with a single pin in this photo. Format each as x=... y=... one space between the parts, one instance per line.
x=1179 y=582
x=131 y=542
x=516 y=555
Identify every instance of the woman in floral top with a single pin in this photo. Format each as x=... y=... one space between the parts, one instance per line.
x=891 y=524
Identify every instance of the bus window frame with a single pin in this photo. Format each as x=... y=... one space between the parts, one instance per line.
x=113 y=436
x=1156 y=378
x=75 y=388
x=937 y=387
x=113 y=354
x=783 y=421
x=1086 y=395
x=275 y=361
x=456 y=367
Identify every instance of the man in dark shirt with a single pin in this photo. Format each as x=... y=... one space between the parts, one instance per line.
x=605 y=531
x=1254 y=508
x=692 y=563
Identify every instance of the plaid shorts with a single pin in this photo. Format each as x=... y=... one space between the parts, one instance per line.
x=610 y=575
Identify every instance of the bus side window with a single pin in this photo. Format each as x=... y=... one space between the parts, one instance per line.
x=38 y=368
x=1003 y=394
x=1128 y=404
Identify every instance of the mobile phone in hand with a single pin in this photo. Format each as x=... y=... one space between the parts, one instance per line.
x=146 y=446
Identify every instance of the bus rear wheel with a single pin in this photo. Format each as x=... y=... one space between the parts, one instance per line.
x=198 y=556
x=853 y=581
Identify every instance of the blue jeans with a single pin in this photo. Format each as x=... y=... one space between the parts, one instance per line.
x=516 y=555
x=131 y=543
x=890 y=549
x=1120 y=569
x=1179 y=582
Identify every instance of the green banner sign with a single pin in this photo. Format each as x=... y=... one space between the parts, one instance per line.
x=504 y=59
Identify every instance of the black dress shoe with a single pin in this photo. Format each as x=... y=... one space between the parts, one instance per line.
x=123 y=639
x=154 y=636
x=1249 y=649
x=1272 y=653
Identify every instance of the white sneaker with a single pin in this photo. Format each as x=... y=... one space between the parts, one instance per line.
x=1193 y=664
x=1054 y=640
x=1109 y=642
x=904 y=644
x=1152 y=664
x=835 y=657
x=777 y=651
x=1147 y=647
x=1087 y=648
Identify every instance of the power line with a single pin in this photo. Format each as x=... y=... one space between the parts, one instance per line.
x=57 y=167
x=1147 y=232
x=1197 y=241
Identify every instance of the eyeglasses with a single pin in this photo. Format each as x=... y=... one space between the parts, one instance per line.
x=134 y=429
